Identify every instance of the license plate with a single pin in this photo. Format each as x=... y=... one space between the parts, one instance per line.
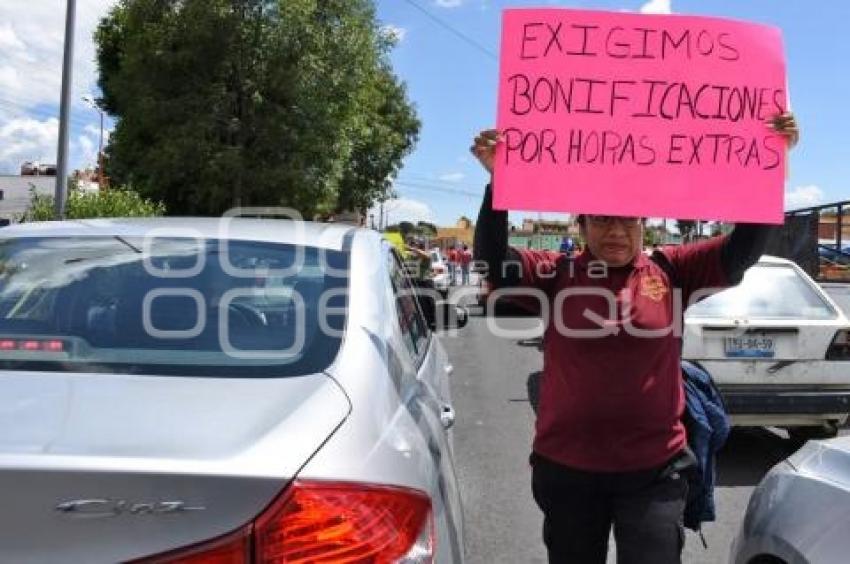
x=750 y=347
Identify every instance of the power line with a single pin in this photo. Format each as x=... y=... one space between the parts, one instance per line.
x=442 y=186
x=430 y=188
x=437 y=182
x=445 y=25
x=428 y=183
x=42 y=113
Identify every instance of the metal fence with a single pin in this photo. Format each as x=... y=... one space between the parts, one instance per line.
x=818 y=239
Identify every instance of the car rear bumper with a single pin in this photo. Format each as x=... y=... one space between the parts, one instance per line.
x=803 y=402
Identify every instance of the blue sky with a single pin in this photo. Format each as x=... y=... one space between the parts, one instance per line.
x=453 y=84
x=451 y=71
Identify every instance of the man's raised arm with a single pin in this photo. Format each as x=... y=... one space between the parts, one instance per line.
x=491 y=244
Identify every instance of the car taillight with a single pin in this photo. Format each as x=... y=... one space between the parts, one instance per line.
x=327 y=522
x=46 y=345
x=437 y=269
x=839 y=348
x=337 y=522
x=234 y=548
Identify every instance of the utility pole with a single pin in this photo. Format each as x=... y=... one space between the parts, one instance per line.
x=65 y=113
x=93 y=104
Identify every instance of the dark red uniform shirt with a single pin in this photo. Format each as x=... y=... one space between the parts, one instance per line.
x=612 y=397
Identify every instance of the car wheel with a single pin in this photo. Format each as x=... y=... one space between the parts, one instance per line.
x=828 y=430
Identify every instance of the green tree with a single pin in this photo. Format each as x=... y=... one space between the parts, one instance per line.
x=116 y=202
x=687 y=228
x=252 y=102
x=427 y=229
x=390 y=130
x=649 y=237
x=406 y=228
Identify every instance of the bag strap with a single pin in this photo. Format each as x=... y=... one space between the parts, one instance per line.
x=664 y=263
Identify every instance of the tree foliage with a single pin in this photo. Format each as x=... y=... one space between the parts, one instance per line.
x=426 y=228
x=407 y=228
x=116 y=202
x=253 y=102
x=687 y=228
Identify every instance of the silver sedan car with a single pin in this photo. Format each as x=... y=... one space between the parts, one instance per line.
x=800 y=511
x=211 y=390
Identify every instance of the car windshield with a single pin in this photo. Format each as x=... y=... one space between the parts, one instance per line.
x=766 y=292
x=170 y=306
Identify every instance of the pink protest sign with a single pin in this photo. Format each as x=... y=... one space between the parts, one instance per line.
x=641 y=115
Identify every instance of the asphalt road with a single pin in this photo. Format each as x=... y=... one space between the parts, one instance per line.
x=493 y=434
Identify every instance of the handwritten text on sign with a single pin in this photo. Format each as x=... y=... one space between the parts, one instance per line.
x=630 y=114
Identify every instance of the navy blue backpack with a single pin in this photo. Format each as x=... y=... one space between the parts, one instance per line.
x=708 y=428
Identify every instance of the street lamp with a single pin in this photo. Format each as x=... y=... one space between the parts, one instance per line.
x=93 y=104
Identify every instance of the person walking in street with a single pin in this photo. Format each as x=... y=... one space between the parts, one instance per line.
x=465 y=258
x=610 y=445
x=451 y=259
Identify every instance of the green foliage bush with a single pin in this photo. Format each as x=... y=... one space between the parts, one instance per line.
x=115 y=202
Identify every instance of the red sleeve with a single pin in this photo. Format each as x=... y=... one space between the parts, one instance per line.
x=697 y=266
x=538 y=268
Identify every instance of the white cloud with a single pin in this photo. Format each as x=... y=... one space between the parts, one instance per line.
x=27 y=139
x=31 y=52
x=9 y=39
x=88 y=148
x=803 y=196
x=93 y=131
x=657 y=7
x=394 y=31
x=403 y=209
x=452 y=177
x=9 y=78
x=31 y=43
x=448 y=3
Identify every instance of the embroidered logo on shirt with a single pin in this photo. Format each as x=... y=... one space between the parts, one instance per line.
x=653 y=287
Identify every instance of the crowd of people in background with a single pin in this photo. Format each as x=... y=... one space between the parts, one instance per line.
x=458 y=259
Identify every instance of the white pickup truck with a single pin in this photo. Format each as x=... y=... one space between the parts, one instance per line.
x=778 y=348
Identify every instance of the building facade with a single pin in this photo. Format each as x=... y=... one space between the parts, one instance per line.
x=15 y=194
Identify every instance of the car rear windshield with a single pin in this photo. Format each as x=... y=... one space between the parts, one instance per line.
x=767 y=292
x=170 y=306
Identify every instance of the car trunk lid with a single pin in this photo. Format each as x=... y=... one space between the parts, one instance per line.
x=106 y=467
x=765 y=352
x=758 y=340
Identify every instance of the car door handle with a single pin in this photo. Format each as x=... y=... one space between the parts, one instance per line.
x=447 y=415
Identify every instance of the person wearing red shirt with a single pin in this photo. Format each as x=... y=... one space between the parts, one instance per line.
x=451 y=259
x=464 y=258
x=610 y=445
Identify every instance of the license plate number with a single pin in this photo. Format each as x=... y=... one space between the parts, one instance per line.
x=750 y=347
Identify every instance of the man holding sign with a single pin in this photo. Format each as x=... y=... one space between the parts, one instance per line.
x=609 y=437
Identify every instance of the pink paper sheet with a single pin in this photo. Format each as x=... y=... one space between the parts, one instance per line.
x=641 y=115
